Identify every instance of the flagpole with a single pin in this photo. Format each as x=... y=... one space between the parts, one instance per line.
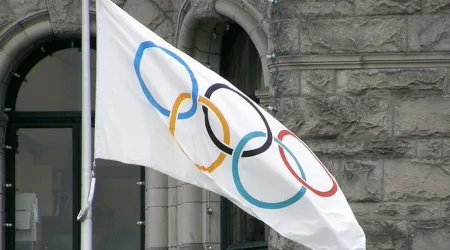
x=86 y=169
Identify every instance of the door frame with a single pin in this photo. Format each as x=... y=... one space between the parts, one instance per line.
x=51 y=119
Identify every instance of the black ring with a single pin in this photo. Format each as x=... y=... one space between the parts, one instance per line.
x=217 y=142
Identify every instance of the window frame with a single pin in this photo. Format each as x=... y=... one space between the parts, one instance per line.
x=45 y=119
x=224 y=244
x=234 y=32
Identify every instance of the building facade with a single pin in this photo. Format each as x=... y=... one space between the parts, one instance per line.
x=365 y=83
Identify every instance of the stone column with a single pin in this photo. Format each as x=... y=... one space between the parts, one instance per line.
x=189 y=217
x=156 y=211
x=211 y=218
x=172 y=213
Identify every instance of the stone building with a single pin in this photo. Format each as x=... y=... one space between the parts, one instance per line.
x=365 y=83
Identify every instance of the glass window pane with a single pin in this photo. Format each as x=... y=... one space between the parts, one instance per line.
x=240 y=64
x=116 y=208
x=54 y=84
x=242 y=227
x=44 y=189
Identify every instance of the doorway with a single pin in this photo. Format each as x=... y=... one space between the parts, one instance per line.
x=43 y=162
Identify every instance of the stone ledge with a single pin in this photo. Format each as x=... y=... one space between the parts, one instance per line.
x=364 y=149
x=362 y=61
x=397 y=210
x=337 y=117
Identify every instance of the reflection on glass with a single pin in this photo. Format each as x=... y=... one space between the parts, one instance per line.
x=116 y=207
x=242 y=227
x=60 y=73
x=44 y=182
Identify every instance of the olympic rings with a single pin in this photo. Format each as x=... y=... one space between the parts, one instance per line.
x=137 y=67
x=224 y=146
x=210 y=105
x=240 y=187
x=217 y=142
x=328 y=193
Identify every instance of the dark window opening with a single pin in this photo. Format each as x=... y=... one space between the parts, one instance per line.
x=44 y=131
x=240 y=64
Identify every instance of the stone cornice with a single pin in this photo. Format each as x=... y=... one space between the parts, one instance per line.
x=362 y=61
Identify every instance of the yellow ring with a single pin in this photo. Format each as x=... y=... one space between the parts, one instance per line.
x=226 y=129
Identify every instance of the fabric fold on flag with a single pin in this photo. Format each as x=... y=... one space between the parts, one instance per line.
x=157 y=107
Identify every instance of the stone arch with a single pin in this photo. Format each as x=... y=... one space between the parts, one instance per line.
x=200 y=32
x=22 y=37
x=194 y=28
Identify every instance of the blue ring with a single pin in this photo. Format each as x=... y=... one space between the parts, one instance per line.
x=194 y=94
x=237 y=180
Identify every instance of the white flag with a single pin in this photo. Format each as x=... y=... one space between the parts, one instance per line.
x=159 y=108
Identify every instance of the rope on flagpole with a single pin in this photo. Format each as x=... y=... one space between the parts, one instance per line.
x=83 y=212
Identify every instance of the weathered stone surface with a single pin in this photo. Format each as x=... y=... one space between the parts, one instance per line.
x=413 y=180
x=302 y=8
x=429 y=33
x=361 y=180
x=380 y=7
x=351 y=35
x=260 y=5
x=336 y=117
x=288 y=82
x=446 y=149
x=65 y=16
x=388 y=148
x=318 y=82
x=333 y=166
x=120 y=3
x=446 y=209
x=422 y=117
x=364 y=148
x=278 y=242
x=430 y=234
x=166 y=30
x=432 y=6
x=429 y=148
x=448 y=80
x=382 y=82
x=318 y=146
x=21 y=8
x=177 y=5
x=164 y=5
x=203 y=8
x=385 y=234
x=146 y=12
x=6 y=15
x=397 y=210
x=284 y=37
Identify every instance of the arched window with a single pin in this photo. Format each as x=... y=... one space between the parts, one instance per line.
x=54 y=83
x=44 y=163
x=240 y=64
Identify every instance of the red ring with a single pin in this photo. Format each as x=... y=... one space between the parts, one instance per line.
x=328 y=193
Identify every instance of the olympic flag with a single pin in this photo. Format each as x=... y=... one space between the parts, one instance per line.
x=157 y=107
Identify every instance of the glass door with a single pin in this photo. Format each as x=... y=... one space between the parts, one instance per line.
x=43 y=198
x=43 y=161
x=45 y=185
x=116 y=211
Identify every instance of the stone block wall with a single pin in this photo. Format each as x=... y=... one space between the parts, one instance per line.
x=366 y=84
